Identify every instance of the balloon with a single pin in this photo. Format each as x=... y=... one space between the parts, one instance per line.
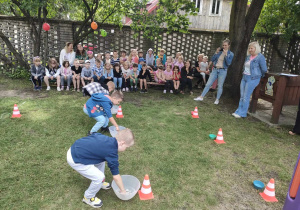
x=94 y=25
x=46 y=26
x=103 y=33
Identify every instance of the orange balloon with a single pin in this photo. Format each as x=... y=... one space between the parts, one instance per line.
x=94 y=25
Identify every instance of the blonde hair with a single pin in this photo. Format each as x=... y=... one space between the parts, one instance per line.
x=180 y=57
x=67 y=45
x=170 y=57
x=257 y=47
x=201 y=54
x=130 y=55
x=117 y=95
x=205 y=57
x=125 y=135
x=127 y=64
x=111 y=85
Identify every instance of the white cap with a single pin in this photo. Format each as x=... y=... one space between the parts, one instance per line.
x=87 y=61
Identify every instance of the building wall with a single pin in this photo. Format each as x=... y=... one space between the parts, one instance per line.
x=205 y=21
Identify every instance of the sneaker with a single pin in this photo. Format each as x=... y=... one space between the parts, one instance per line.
x=62 y=87
x=191 y=93
x=78 y=90
x=135 y=89
x=236 y=115
x=146 y=91
x=104 y=129
x=48 y=88
x=36 y=88
x=105 y=186
x=90 y=133
x=165 y=91
x=93 y=202
x=127 y=89
x=58 y=89
x=199 y=98
x=123 y=89
x=171 y=91
x=216 y=101
x=39 y=88
x=67 y=88
x=74 y=89
x=142 y=91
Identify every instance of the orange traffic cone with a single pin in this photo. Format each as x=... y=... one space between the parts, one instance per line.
x=196 y=110
x=219 y=139
x=195 y=113
x=269 y=192
x=119 y=114
x=146 y=193
x=16 y=112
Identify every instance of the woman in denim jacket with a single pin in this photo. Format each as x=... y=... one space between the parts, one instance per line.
x=221 y=60
x=255 y=67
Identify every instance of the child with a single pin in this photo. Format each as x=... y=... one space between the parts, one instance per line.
x=134 y=77
x=99 y=107
x=204 y=68
x=186 y=77
x=158 y=63
x=76 y=69
x=52 y=73
x=115 y=58
x=126 y=76
x=107 y=58
x=141 y=62
x=162 y=56
x=95 y=87
x=150 y=58
x=176 y=78
x=141 y=54
x=98 y=72
x=179 y=63
x=108 y=73
x=123 y=57
x=133 y=58
x=169 y=62
x=117 y=76
x=91 y=58
x=142 y=76
x=169 y=79
x=88 y=155
x=159 y=75
x=87 y=73
x=66 y=74
x=178 y=54
x=37 y=72
x=99 y=57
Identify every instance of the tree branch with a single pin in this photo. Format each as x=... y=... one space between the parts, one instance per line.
x=13 y=11
x=5 y=60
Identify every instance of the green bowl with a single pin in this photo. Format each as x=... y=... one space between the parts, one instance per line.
x=212 y=136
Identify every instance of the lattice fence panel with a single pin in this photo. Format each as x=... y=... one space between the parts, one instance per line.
x=293 y=57
x=266 y=48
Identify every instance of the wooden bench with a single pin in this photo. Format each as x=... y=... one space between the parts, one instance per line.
x=153 y=81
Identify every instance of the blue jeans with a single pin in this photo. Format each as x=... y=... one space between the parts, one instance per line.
x=102 y=121
x=118 y=80
x=219 y=74
x=247 y=87
x=101 y=80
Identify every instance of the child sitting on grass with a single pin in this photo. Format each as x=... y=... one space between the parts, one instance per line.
x=99 y=107
x=87 y=156
x=134 y=77
x=37 y=72
x=169 y=79
x=142 y=76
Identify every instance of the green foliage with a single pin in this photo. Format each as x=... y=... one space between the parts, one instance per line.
x=280 y=16
x=17 y=73
x=171 y=15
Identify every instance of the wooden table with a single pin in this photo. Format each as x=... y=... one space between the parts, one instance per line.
x=279 y=89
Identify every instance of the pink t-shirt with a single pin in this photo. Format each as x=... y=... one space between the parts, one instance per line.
x=168 y=74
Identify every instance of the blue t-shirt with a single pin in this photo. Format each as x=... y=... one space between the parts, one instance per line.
x=98 y=105
x=95 y=149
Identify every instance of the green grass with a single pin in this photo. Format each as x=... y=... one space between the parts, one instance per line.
x=187 y=170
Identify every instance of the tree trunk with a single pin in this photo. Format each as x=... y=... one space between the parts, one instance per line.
x=240 y=31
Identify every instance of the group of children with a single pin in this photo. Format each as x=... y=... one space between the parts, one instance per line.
x=125 y=71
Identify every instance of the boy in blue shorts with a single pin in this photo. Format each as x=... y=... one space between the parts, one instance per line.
x=99 y=107
x=87 y=156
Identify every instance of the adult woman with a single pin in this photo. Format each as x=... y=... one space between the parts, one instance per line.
x=67 y=54
x=81 y=54
x=221 y=61
x=186 y=77
x=198 y=71
x=255 y=67
x=296 y=129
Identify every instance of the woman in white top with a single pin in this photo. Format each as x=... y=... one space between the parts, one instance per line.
x=67 y=54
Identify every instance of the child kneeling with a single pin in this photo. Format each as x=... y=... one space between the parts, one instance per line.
x=99 y=107
x=87 y=156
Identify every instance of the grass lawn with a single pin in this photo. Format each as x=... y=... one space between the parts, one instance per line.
x=187 y=170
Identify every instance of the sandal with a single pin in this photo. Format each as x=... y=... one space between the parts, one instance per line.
x=292 y=133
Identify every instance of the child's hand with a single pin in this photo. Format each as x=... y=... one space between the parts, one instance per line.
x=117 y=128
x=124 y=192
x=35 y=77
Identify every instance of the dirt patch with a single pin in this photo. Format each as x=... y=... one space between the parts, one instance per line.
x=23 y=94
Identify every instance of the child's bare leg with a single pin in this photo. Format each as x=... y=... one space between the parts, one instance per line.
x=145 y=82
x=74 y=82
x=46 y=80
x=141 y=84
x=78 y=82
x=82 y=81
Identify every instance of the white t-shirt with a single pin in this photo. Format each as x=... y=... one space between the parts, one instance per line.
x=203 y=66
x=127 y=72
x=66 y=56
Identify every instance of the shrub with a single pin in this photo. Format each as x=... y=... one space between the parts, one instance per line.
x=17 y=73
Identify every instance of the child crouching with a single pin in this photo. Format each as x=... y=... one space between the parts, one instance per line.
x=99 y=107
x=88 y=155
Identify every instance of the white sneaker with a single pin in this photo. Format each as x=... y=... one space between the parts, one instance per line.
x=48 y=88
x=216 y=101
x=127 y=90
x=236 y=115
x=67 y=88
x=123 y=89
x=105 y=186
x=165 y=91
x=62 y=87
x=93 y=202
x=58 y=89
x=171 y=91
x=199 y=98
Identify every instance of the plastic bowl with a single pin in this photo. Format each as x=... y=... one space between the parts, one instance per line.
x=113 y=132
x=131 y=184
x=212 y=136
x=114 y=109
x=258 y=184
